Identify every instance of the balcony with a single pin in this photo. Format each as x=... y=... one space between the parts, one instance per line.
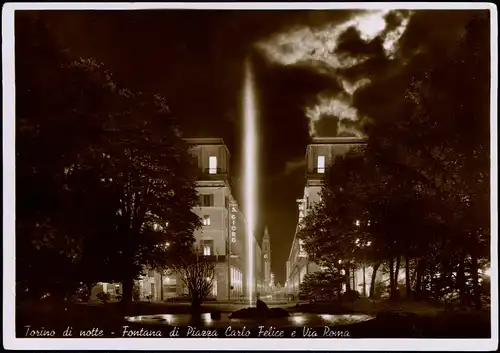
x=316 y=174
x=213 y=174
x=214 y=258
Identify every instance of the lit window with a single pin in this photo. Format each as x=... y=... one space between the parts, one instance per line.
x=207 y=246
x=206 y=220
x=321 y=164
x=212 y=165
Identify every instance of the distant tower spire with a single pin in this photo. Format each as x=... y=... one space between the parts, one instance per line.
x=266 y=250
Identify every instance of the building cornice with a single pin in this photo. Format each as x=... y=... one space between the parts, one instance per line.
x=337 y=140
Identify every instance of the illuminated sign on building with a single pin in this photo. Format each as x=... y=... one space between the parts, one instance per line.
x=233 y=222
x=302 y=252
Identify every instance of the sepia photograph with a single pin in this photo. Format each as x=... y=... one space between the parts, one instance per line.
x=250 y=176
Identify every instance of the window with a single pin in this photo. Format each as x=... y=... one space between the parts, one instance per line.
x=212 y=165
x=206 y=220
x=207 y=247
x=170 y=289
x=321 y=164
x=207 y=200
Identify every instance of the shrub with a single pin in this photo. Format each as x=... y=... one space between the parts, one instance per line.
x=102 y=296
x=84 y=296
x=379 y=290
x=320 y=286
x=350 y=296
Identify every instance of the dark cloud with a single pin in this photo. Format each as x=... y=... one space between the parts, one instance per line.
x=350 y=43
x=295 y=165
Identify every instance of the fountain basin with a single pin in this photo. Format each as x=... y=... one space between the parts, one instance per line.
x=255 y=313
x=206 y=321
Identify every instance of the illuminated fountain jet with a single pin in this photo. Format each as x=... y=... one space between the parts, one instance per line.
x=250 y=171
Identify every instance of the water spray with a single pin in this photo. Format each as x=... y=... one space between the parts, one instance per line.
x=250 y=170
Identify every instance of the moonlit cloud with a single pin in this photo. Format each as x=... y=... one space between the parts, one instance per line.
x=351 y=87
x=332 y=106
x=316 y=47
x=369 y=25
x=327 y=105
x=392 y=37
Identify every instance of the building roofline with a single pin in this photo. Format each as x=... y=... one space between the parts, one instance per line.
x=213 y=141
x=204 y=140
x=336 y=140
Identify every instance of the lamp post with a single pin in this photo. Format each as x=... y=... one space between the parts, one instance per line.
x=363 y=245
x=368 y=243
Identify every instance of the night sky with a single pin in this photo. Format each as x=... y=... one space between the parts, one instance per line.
x=195 y=60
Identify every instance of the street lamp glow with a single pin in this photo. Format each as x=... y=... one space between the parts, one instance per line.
x=250 y=170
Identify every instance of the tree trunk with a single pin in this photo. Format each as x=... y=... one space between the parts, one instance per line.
x=348 y=279
x=364 y=280
x=476 y=294
x=394 y=290
x=374 y=277
x=461 y=279
x=90 y=286
x=128 y=289
x=396 y=272
x=407 y=278
x=195 y=304
x=391 y=274
x=353 y=278
x=418 y=284
x=161 y=285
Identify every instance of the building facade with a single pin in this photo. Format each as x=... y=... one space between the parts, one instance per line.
x=222 y=238
x=321 y=153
